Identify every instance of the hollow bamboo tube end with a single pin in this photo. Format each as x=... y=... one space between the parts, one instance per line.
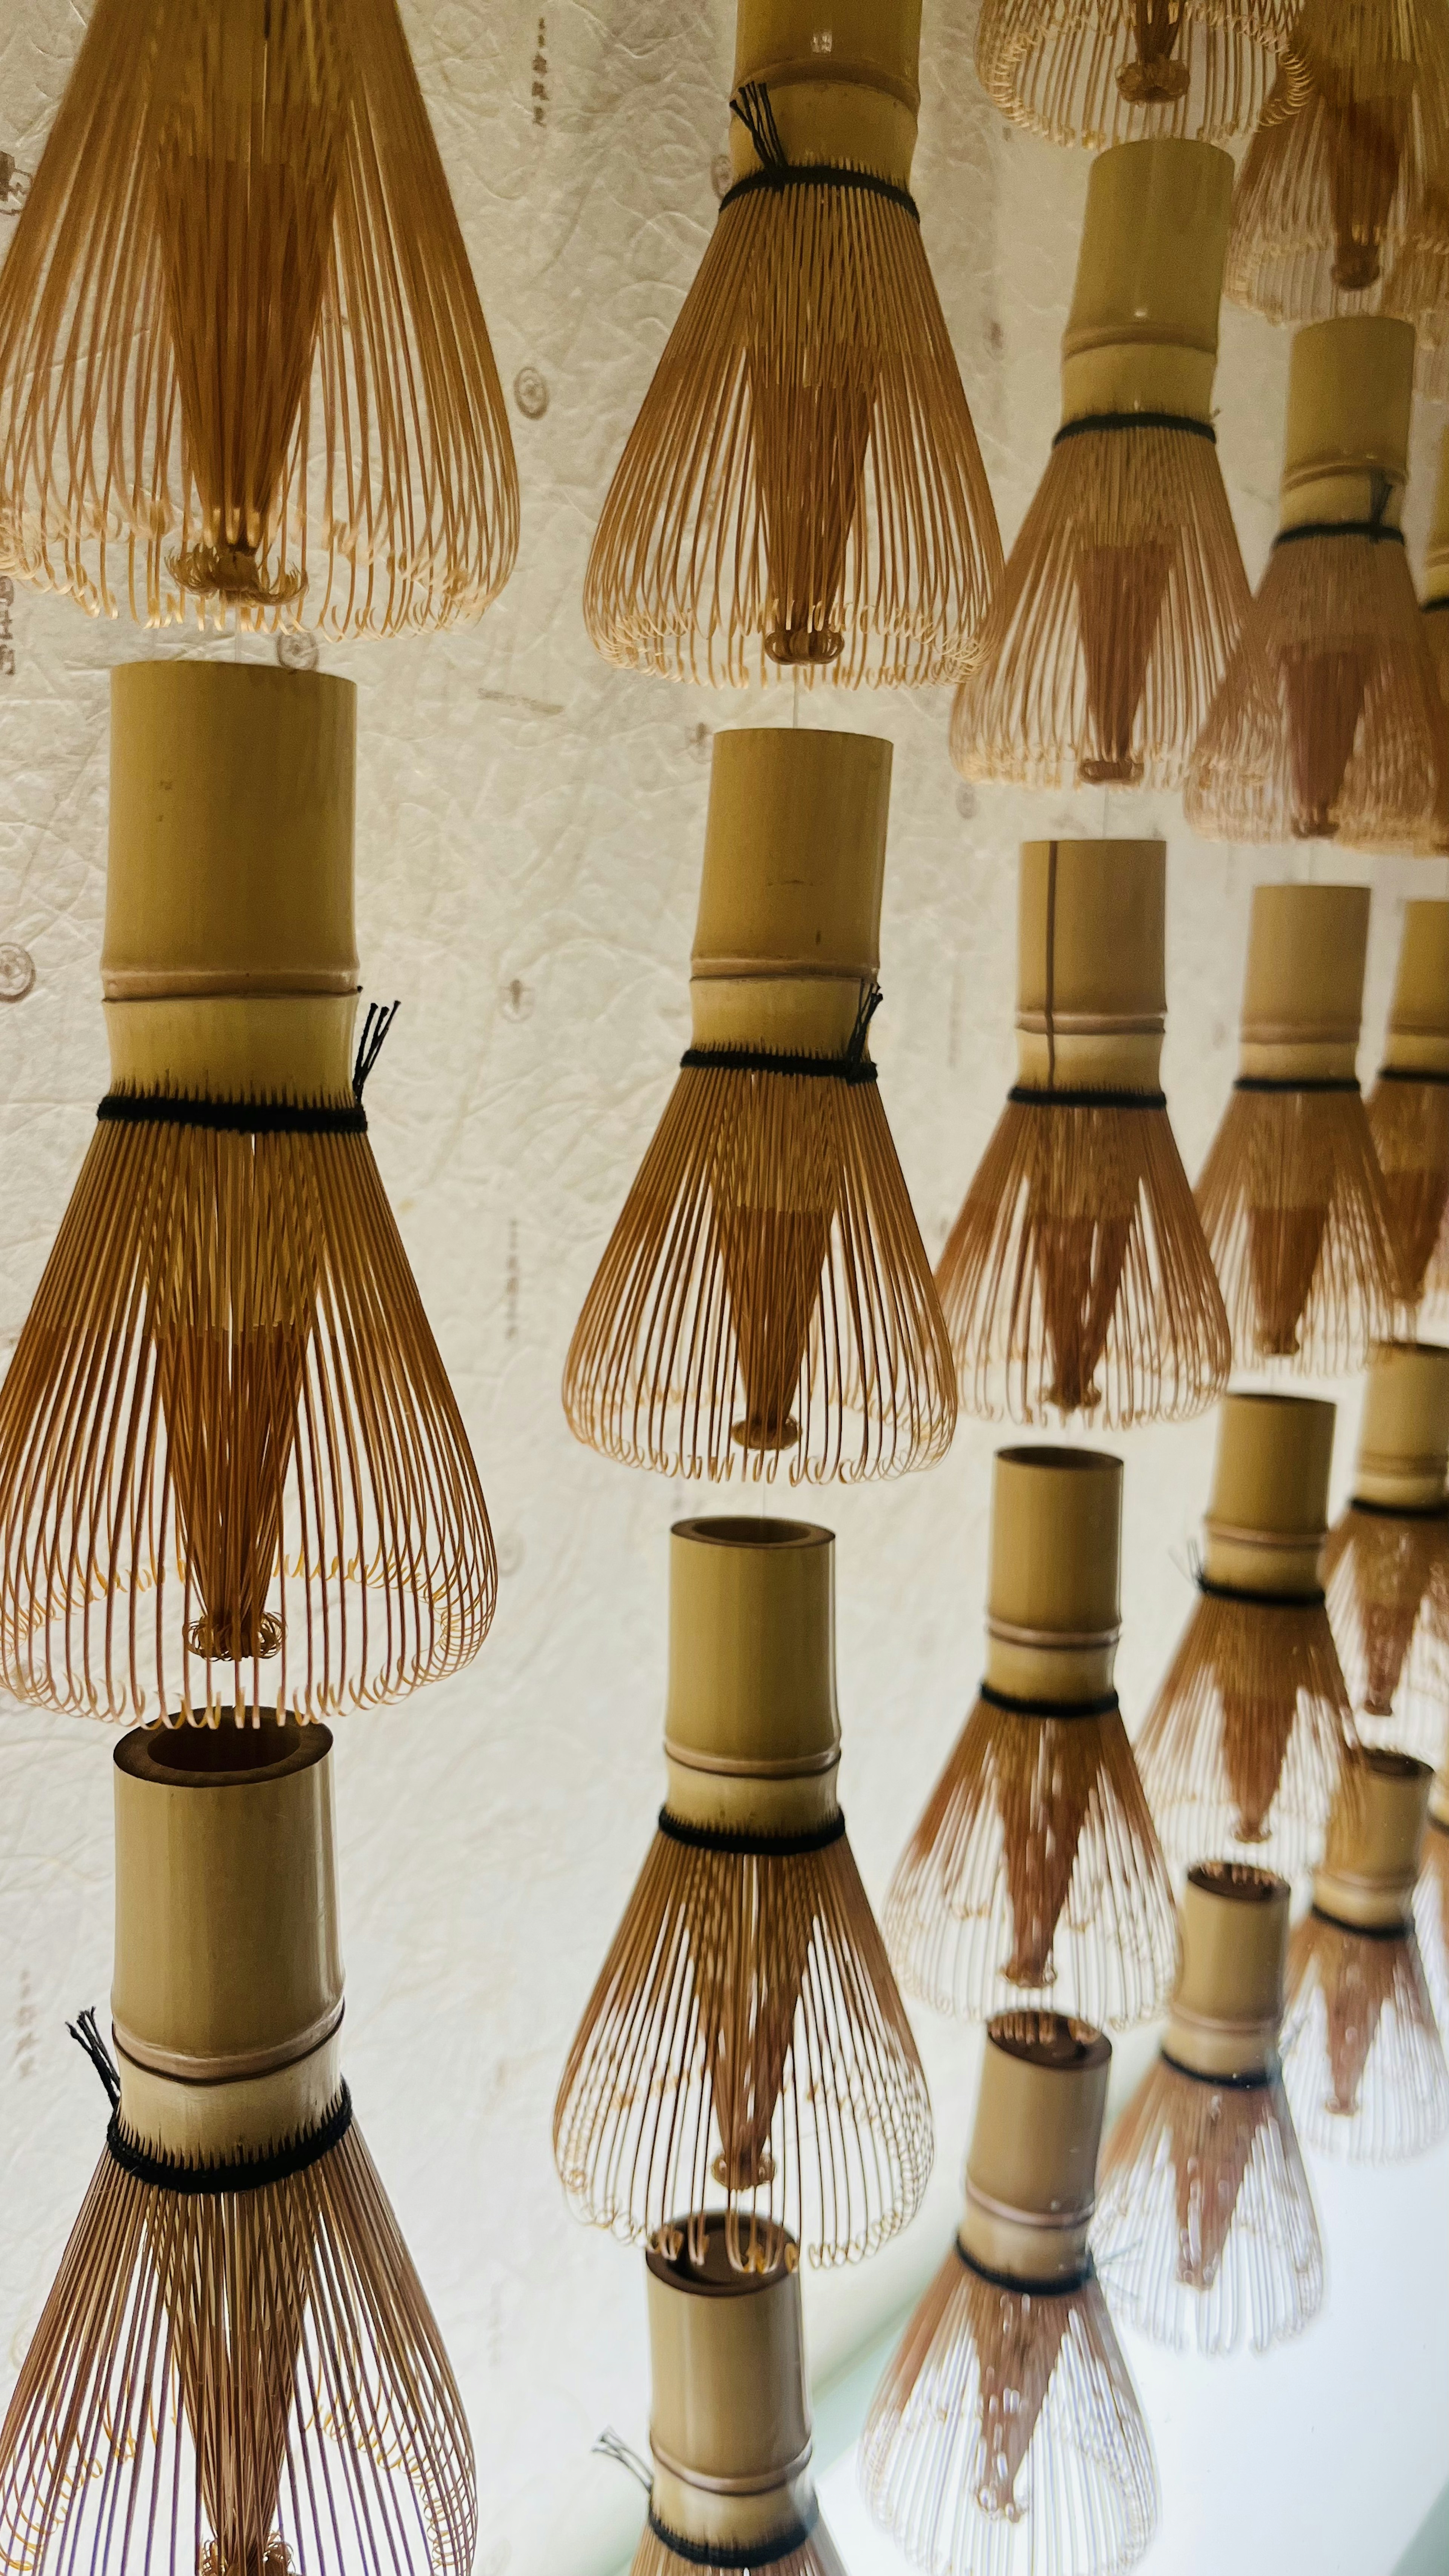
x=1228 y=2001
x=751 y=1650
x=231 y=832
x=1031 y=2173
x=1143 y=330
x=1091 y=988
x=843 y=78
x=228 y=1966
x=1374 y=1841
x=1053 y=1598
x=729 y=2422
x=794 y=855
x=1417 y=1039
x=1303 y=989
x=1403 y=1440
x=1436 y=559
x=1268 y=1511
x=1350 y=396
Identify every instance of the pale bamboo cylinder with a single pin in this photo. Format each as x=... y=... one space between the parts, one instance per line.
x=1303 y=989
x=1143 y=330
x=1439 y=1799
x=230 y=953
x=1403 y=1439
x=729 y=2423
x=1350 y=397
x=751 y=1730
x=1436 y=558
x=1267 y=1517
x=1053 y=1599
x=1091 y=978
x=1374 y=1842
x=1031 y=2174
x=1417 y=1037
x=1227 y=2004
x=843 y=78
x=227 y=1992
x=788 y=933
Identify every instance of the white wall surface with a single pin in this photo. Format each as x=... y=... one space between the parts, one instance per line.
x=529 y=836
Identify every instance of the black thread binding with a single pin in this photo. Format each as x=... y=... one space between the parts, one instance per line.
x=1224 y=2083
x=854 y=1066
x=1185 y=421
x=1104 y=1705
x=1375 y=530
x=1363 y=1931
x=1400 y=1511
x=751 y=104
x=1053 y=2289
x=1315 y=1082
x=1025 y=1095
x=1408 y=1072
x=85 y=2030
x=247 y=2173
x=748 y=1846
x=721 y=2553
x=1432 y=607
x=1259 y=1600
x=259 y=1117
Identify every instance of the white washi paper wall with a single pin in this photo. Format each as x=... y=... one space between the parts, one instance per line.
x=529 y=834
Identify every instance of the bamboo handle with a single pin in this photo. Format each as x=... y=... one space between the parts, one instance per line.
x=1031 y=2174
x=1091 y=990
x=1143 y=330
x=1417 y=1039
x=843 y=78
x=1267 y=1515
x=794 y=856
x=1350 y=397
x=1403 y=1439
x=729 y=2422
x=1374 y=1842
x=1228 y=2001
x=1303 y=989
x=1053 y=1602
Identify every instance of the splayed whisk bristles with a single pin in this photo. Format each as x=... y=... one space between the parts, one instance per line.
x=1244 y=1747
x=1362 y=2057
x=1006 y=2435
x=1035 y=1875
x=1409 y=1124
x=1327 y=723
x=232 y=1471
x=240 y=2383
x=1205 y=2232
x=1076 y=1277
x=1338 y=207
x=1387 y=1579
x=745 y=2048
x=765 y=1297
x=802 y=490
x=1123 y=600
x=243 y=365
x=1101 y=71
x=1293 y=1206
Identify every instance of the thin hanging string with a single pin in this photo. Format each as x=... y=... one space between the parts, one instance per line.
x=612 y=2446
x=85 y=2030
x=1374 y=527
x=855 y=1066
x=380 y=1017
x=871 y=998
x=751 y=104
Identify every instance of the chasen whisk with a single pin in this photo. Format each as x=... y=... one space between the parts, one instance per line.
x=1096 y=71
x=1408 y=1108
x=1386 y=1563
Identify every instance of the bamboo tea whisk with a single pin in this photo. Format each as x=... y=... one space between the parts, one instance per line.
x=765 y=1300
x=729 y=2424
x=236 y=2368
x=233 y=1474
x=802 y=491
x=1076 y=1278
x=1245 y=1744
x=1291 y=1196
x=1386 y=1565
x=1006 y=2434
x=745 y=2051
x=1205 y=2229
x=1408 y=1108
x=1327 y=724
x=1362 y=2057
x=1035 y=1869
x=243 y=365
x=1125 y=592
x=1339 y=205
x=1097 y=71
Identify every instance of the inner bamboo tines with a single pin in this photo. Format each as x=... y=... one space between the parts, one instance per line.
x=1121 y=590
x=1156 y=74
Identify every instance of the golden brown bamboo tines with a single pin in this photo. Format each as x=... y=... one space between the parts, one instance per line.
x=745 y=2057
x=1291 y=1196
x=1339 y=206
x=243 y=364
x=1076 y=1277
x=1035 y=1872
x=1386 y=1563
x=233 y=1473
x=1097 y=71
x=802 y=491
x=1125 y=592
x=1006 y=2434
x=764 y=1304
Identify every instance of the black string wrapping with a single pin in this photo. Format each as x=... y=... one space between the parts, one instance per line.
x=1188 y=422
x=1298 y=1082
x=1400 y=1511
x=1053 y=2289
x=1104 y=1705
x=1025 y=1095
x=752 y=1846
x=751 y=104
x=244 y=2173
x=1377 y=532
x=854 y=1066
x=260 y=1117
x=1252 y=1600
x=1409 y=1072
x=728 y=2553
x=1223 y=2083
